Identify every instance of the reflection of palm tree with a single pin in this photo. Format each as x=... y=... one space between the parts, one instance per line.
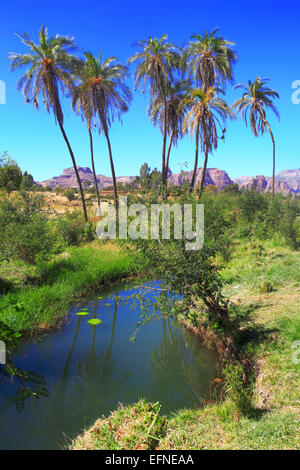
x=101 y=381
x=108 y=354
x=55 y=410
x=180 y=372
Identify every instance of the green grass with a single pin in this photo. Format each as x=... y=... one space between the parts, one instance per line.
x=254 y=263
x=136 y=427
x=80 y=272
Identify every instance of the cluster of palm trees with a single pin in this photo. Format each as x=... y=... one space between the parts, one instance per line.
x=186 y=86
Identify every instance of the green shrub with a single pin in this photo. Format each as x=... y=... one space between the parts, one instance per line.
x=239 y=387
x=25 y=231
x=73 y=229
x=70 y=194
x=10 y=173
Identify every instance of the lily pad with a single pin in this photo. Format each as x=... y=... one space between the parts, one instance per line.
x=82 y=313
x=100 y=297
x=94 y=321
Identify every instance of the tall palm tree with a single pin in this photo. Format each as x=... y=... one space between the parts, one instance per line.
x=82 y=103
x=156 y=63
x=209 y=60
x=202 y=120
x=50 y=65
x=102 y=90
x=175 y=113
x=255 y=101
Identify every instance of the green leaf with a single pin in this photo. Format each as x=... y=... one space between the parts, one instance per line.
x=94 y=321
x=82 y=313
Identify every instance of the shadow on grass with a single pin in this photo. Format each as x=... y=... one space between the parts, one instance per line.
x=247 y=331
x=6 y=286
x=255 y=335
x=255 y=414
x=50 y=273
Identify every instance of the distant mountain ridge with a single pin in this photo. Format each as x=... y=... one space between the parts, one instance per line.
x=288 y=181
x=68 y=179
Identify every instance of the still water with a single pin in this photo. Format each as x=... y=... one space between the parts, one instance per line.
x=82 y=372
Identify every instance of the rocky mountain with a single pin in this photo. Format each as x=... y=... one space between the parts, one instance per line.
x=68 y=179
x=241 y=179
x=213 y=176
x=288 y=181
x=264 y=184
x=291 y=177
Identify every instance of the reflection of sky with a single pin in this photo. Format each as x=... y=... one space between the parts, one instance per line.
x=89 y=370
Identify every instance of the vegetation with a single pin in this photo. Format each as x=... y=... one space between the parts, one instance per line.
x=10 y=173
x=238 y=292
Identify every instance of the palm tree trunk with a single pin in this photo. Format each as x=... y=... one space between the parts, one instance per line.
x=273 y=172
x=203 y=174
x=93 y=166
x=112 y=170
x=168 y=153
x=164 y=171
x=192 y=183
x=75 y=168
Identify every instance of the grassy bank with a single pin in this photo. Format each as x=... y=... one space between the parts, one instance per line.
x=40 y=297
x=265 y=280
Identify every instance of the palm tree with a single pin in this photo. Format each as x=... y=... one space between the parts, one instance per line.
x=156 y=63
x=50 y=65
x=202 y=120
x=102 y=90
x=209 y=60
x=82 y=103
x=175 y=113
x=255 y=101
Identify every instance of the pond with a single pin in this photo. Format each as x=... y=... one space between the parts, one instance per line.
x=82 y=372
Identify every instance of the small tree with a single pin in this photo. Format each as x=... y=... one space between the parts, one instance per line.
x=10 y=173
x=145 y=176
x=27 y=182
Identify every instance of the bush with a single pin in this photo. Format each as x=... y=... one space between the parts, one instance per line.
x=27 y=182
x=25 y=231
x=239 y=385
x=70 y=194
x=10 y=173
x=73 y=229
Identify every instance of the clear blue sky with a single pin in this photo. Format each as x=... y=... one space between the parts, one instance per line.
x=267 y=42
